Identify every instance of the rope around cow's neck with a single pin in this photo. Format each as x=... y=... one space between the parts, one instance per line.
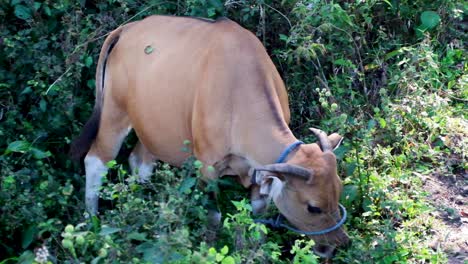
x=279 y=220
x=288 y=150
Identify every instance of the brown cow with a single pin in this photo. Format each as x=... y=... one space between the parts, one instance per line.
x=211 y=82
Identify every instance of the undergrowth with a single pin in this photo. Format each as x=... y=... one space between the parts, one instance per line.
x=388 y=75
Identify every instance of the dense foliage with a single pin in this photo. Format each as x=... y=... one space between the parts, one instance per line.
x=389 y=75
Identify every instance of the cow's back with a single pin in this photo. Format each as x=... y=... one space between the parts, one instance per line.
x=184 y=78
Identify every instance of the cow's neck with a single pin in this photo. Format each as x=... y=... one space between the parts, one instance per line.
x=259 y=132
x=264 y=145
x=259 y=147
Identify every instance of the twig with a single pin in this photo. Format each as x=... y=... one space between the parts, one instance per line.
x=321 y=71
x=262 y=17
x=58 y=79
x=123 y=23
x=283 y=15
x=79 y=46
x=322 y=82
x=358 y=53
x=231 y=2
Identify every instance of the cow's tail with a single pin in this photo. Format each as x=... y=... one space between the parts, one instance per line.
x=81 y=145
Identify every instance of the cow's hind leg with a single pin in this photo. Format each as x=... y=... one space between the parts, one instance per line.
x=113 y=128
x=141 y=162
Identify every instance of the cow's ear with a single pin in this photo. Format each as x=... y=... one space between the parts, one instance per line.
x=335 y=140
x=270 y=184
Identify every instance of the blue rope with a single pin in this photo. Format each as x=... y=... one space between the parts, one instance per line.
x=278 y=222
x=288 y=150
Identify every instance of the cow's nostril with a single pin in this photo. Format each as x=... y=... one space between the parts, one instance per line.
x=321 y=248
x=324 y=251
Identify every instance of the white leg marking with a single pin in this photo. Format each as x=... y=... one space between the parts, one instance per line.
x=95 y=169
x=139 y=168
x=133 y=161
x=145 y=171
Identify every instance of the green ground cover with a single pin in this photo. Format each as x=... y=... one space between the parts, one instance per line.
x=389 y=75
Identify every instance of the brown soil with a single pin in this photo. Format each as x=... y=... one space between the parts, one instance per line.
x=448 y=194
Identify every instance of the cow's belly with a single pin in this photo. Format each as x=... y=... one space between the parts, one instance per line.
x=161 y=118
x=164 y=140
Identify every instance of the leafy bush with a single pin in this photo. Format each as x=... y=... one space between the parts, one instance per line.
x=389 y=75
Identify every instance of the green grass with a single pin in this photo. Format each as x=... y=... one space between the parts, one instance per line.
x=390 y=76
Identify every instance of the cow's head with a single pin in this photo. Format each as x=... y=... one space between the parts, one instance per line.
x=306 y=190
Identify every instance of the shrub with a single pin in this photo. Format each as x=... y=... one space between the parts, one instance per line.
x=389 y=75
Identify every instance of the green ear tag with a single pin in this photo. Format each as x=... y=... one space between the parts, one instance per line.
x=148 y=49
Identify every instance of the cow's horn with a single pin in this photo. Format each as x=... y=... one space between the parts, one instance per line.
x=323 y=139
x=287 y=169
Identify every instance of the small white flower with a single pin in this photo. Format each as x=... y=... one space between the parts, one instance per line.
x=42 y=254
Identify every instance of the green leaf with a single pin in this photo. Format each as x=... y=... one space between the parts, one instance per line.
x=107 y=230
x=388 y=3
x=148 y=49
x=20 y=146
x=111 y=164
x=350 y=193
x=26 y=258
x=228 y=260
x=341 y=151
x=39 y=154
x=88 y=62
x=187 y=184
x=47 y=11
x=212 y=251
x=91 y=83
x=350 y=168
x=211 y=12
x=95 y=223
x=198 y=164
x=37 y=5
x=43 y=105
x=225 y=250
x=342 y=62
x=96 y=260
x=22 y=12
x=283 y=37
x=67 y=190
x=430 y=19
x=150 y=252
x=26 y=90
x=382 y=122
x=28 y=236
x=371 y=124
x=137 y=236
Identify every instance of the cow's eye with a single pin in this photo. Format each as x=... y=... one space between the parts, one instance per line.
x=313 y=209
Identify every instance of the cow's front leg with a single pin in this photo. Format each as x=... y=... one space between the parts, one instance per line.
x=259 y=204
x=213 y=218
x=214 y=215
